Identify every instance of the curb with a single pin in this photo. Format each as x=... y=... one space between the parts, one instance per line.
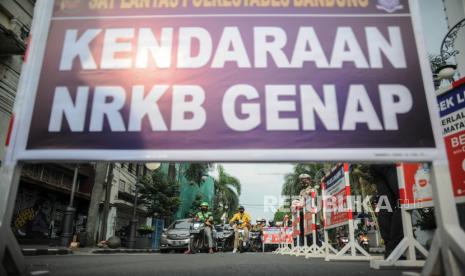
x=122 y=250
x=45 y=251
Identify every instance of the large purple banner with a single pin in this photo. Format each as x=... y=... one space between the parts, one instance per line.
x=230 y=75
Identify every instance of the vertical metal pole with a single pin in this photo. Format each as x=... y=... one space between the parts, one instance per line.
x=314 y=210
x=349 y=209
x=67 y=231
x=73 y=188
x=305 y=221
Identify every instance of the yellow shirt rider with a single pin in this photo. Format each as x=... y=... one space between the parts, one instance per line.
x=240 y=220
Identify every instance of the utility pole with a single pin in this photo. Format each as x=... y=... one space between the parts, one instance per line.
x=106 y=203
x=133 y=225
x=68 y=218
x=97 y=196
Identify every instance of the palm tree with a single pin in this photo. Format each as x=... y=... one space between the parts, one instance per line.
x=227 y=192
x=362 y=183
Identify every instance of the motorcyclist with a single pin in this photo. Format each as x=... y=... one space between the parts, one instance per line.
x=206 y=217
x=240 y=220
x=260 y=224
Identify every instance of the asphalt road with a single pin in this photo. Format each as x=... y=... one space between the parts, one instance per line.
x=199 y=264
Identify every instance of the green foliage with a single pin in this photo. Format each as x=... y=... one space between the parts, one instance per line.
x=159 y=194
x=362 y=181
x=227 y=192
x=279 y=215
x=196 y=171
x=145 y=229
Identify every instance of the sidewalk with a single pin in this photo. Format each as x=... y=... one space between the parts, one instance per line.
x=121 y=250
x=36 y=250
x=40 y=249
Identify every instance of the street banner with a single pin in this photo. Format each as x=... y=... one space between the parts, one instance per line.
x=273 y=235
x=308 y=212
x=452 y=113
x=295 y=211
x=335 y=193
x=415 y=189
x=222 y=80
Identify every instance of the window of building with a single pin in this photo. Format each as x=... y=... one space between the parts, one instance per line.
x=122 y=186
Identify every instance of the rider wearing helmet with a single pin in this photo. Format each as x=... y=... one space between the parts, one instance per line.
x=240 y=220
x=206 y=217
x=261 y=223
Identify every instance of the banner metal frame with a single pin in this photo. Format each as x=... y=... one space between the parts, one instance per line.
x=447 y=254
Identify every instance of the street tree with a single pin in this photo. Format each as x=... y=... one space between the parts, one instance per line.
x=227 y=192
x=160 y=194
x=196 y=171
x=195 y=205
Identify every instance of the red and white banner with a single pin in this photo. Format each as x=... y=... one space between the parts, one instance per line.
x=295 y=210
x=452 y=113
x=414 y=185
x=276 y=235
x=309 y=211
x=336 y=190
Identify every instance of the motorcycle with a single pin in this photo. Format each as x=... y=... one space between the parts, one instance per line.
x=342 y=241
x=198 y=240
x=364 y=242
x=224 y=238
x=244 y=244
x=256 y=242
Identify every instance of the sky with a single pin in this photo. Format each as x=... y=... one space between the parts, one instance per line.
x=433 y=23
x=261 y=181
x=258 y=181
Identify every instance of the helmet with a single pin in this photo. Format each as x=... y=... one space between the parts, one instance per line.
x=204 y=204
x=304 y=175
x=241 y=207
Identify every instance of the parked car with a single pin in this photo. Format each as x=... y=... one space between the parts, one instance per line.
x=176 y=236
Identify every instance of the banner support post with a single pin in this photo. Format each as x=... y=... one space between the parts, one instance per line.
x=447 y=250
x=296 y=249
x=351 y=245
x=408 y=244
x=306 y=249
x=326 y=247
x=11 y=258
x=314 y=251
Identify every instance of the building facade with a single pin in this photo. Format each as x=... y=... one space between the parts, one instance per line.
x=15 y=25
x=122 y=196
x=43 y=195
